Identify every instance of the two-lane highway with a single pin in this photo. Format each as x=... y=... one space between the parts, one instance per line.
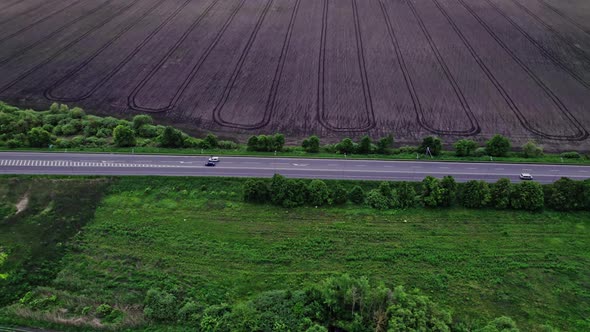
x=167 y=165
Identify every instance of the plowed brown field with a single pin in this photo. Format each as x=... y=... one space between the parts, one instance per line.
x=329 y=67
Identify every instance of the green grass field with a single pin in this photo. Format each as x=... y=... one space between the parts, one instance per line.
x=194 y=235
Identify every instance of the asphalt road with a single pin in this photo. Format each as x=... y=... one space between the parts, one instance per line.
x=166 y=165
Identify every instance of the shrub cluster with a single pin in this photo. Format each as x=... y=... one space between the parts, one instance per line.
x=340 y=303
x=63 y=127
x=266 y=143
x=563 y=195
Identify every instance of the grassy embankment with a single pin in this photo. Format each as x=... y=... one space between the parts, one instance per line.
x=197 y=237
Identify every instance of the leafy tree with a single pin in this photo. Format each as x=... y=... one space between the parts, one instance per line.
x=565 y=195
x=416 y=312
x=501 y=194
x=531 y=150
x=278 y=141
x=345 y=146
x=498 y=146
x=432 y=143
x=527 y=196
x=357 y=195
x=279 y=189
x=475 y=194
x=406 y=195
x=54 y=108
x=123 y=136
x=338 y=195
x=256 y=191
x=252 y=144
x=318 y=193
x=500 y=324
x=432 y=193
x=211 y=141
x=465 y=147
x=297 y=194
x=77 y=113
x=160 y=306
x=364 y=146
x=377 y=200
x=449 y=190
x=141 y=120
x=171 y=138
x=385 y=144
x=312 y=144
x=39 y=138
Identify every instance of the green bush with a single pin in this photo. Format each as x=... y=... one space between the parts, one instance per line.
x=385 y=144
x=449 y=190
x=432 y=193
x=210 y=141
x=377 y=200
x=338 y=195
x=77 y=113
x=228 y=145
x=465 y=147
x=475 y=194
x=160 y=306
x=571 y=155
x=318 y=193
x=531 y=150
x=171 y=138
x=500 y=324
x=480 y=152
x=123 y=136
x=256 y=191
x=190 y=312
x=564 y=195
x=357 y=195
x=527 y=196
x=500 y=194
x=311 y=144
x=103 y=310
x=346 y=146
x=39 y=138
x=364 y=146
x=406 y=196
x=141 y=120
x=434 y=144
x=498 y=146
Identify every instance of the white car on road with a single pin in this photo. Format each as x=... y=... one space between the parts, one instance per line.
x=214 y=159
x=526 y=176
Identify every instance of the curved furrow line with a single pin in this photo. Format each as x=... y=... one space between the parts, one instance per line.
x=131 y=100
x=582 y=133
x=227 y=90
x=26 y=12
x=67 y=47
x=540 y=47
x=458 y=93
x=56 y=32
x=363 y=69
x=505 y=95
x=30 y=26
x=48 y=93
x=271 y=100
x=363 y=73
x=554 y=31
x=565 y=17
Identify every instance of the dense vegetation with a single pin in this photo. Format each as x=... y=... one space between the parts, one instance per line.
x=188 y=253
x=63 y=128
x=563 y=195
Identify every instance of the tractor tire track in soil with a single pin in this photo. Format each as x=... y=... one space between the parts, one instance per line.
x=545 y=52
x=256 y=77
x=30 y=26
x=170 y=101
x=522 y=119
x=10 y=4
x=475 y=129
x=22 y=50
x=27 y=11
x=65 y=48
x=561 y=36
x=565 y=16
x=580 y=131
x=412 y=84
x=76 y=78
x=345 y=104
